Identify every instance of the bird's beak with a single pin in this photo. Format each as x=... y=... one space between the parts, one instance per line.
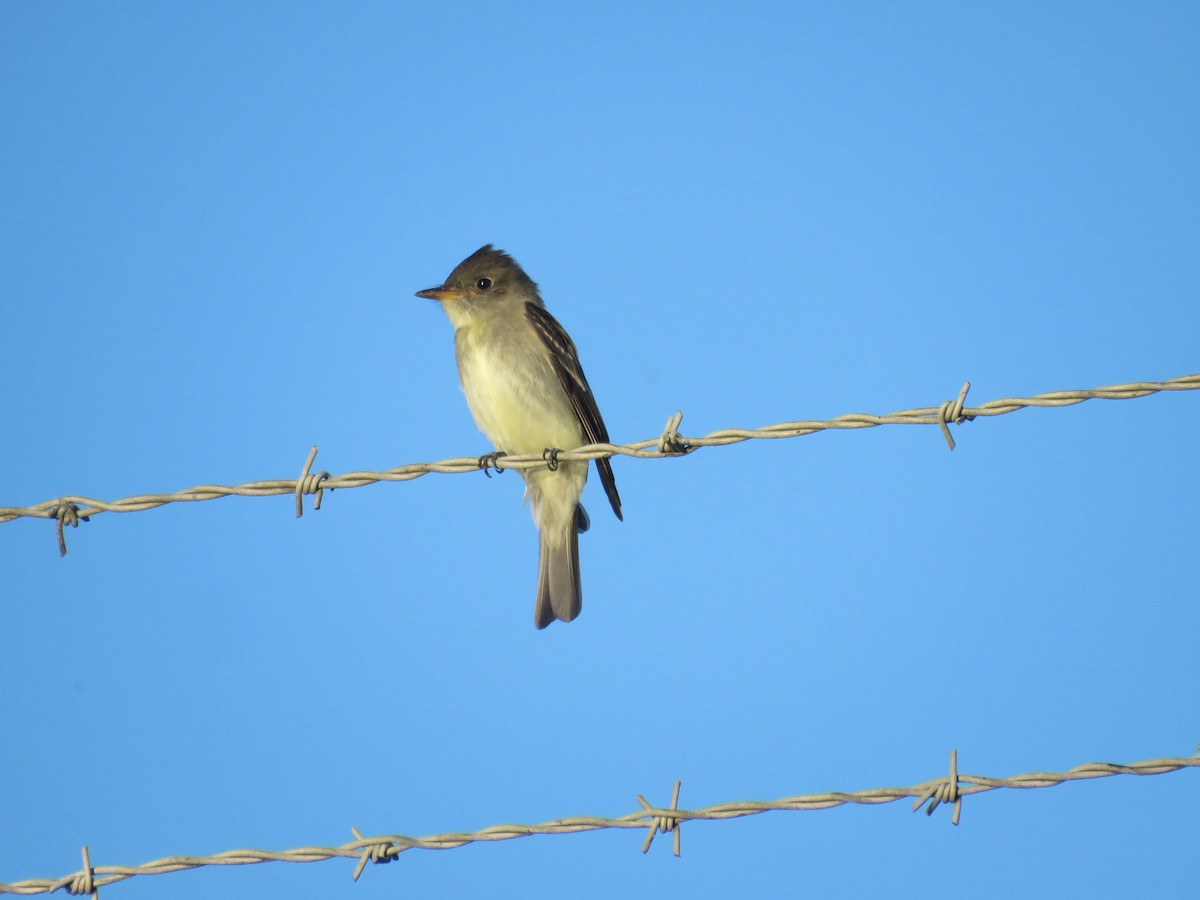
x=440 y=294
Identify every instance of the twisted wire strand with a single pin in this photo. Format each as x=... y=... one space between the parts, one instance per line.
x=385 y=848
x=70 y=510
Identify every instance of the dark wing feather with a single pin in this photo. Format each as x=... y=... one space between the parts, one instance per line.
x=571 y=377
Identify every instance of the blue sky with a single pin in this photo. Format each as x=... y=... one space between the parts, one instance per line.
x=214 y=218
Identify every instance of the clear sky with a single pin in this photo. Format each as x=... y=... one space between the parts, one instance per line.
x=214 y=217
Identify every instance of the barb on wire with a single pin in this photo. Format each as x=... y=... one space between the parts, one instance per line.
x=65 y=514
x=671 y=442
x=662 y=824
x=943 y=790
x=384 y=848
x=83 y=882
x=310 y=484
x=668 y=444
x=379 y=852
x=953 y=412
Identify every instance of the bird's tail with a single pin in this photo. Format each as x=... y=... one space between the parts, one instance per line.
x=559 y=591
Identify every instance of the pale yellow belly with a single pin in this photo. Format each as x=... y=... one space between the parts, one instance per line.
x=516 y=399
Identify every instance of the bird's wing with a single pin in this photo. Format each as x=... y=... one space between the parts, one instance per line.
x=570 y=375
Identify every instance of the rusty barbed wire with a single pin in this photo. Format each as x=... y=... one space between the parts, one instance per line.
x=384 y=848
x=70 y=510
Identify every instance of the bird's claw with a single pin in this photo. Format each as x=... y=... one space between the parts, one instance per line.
x=490 y=461
x=550 y=455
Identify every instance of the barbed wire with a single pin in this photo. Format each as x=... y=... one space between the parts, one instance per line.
x=950 y=789
x=70 y=510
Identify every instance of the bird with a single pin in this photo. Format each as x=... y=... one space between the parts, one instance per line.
x=526 y=389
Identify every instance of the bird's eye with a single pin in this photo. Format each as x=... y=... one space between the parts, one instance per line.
x=483 y=283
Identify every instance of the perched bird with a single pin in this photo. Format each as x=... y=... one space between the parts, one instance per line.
x=527 y=392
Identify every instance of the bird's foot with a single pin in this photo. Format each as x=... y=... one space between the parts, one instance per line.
x=490 y=461
x=550 y=455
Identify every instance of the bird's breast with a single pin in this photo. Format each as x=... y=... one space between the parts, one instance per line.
x=513 y=391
